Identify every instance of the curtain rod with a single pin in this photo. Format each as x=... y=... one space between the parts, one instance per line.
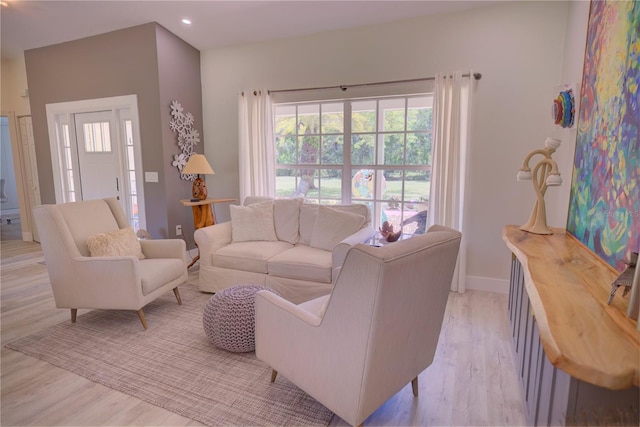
x=343 y=88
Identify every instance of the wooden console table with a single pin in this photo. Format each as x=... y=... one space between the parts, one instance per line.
x=577 y=356
x=203 y=215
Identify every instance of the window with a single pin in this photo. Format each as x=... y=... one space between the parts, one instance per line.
x=97 y=137
x=375 y=151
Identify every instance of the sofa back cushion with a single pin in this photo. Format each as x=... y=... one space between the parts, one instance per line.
x=253 y=222
x=332 y=226
x=309 y=214
x=286 y=216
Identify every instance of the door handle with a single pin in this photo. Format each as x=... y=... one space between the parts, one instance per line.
x=117 y=188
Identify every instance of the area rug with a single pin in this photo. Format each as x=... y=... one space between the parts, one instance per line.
x=173 y=365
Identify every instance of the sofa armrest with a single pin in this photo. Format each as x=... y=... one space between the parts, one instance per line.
x=340 y=251
x=210 y=239
x=164 y=248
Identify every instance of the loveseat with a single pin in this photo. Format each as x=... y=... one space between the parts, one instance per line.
x=292 y=247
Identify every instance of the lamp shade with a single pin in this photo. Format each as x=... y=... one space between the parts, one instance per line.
x=198 y=164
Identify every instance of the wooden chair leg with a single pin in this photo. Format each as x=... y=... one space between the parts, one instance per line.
x=142 y=319
x=74 y=315
x=274 y=374
x=414 y=385
x=177 y=293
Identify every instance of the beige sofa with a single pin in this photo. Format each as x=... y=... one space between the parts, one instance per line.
x=292 y=247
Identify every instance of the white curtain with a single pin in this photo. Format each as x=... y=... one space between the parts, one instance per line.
x=256 y=148
x=452 y=117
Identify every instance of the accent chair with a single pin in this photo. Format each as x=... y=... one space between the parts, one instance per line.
x=377 y=330
x=80 y=280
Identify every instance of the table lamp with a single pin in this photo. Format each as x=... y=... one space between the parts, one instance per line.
x=544 y=174
x=198 y=165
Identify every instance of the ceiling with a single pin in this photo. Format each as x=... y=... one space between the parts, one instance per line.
x=31 y=24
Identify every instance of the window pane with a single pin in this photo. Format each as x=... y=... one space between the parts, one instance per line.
x=89 y=144
x=363 y=116
x=416 y=187
x=309 y=148
x=362 y=149
x=393 y=149
x=70 y=181
x=106 y=137
x=332 y=149
x=393 y=180
x=132 y=182
x=286 y=150
x=363 y=183
x=285 y=182
x=333 y=118
x=67 y=157
x=419 y=113
x=392 y=115
x=330 y=184
x=309 y=119
x=308 y=181
x=131 y=164
x=285 y=121
x=419 y=148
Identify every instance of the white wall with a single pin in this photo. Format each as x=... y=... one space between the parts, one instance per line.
x=518 y=48
x=574 y=48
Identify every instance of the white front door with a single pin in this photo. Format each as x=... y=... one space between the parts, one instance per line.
x=98 y=155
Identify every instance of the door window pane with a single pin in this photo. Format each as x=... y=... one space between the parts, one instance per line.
x=362 y=149
x=332 y=149
x=333 y=118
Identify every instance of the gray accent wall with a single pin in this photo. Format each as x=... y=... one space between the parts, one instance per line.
x=146 y=60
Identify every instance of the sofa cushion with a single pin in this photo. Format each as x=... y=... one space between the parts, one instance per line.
x=253 y=222
x=286 y=216
x=332 y=226
x=158 y=272
x=303 y=263
x=248 y=256
x=309 y=213
x=122 y=242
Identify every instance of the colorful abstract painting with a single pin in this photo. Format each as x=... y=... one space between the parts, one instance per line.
x=604 y=211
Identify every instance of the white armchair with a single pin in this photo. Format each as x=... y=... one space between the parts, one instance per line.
x=378 y=329
x=124 y=282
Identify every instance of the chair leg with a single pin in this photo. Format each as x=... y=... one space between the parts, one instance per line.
x=142 y=319
x=74 y=315
x=177 y=293
x=414 y=385
x=274 y=374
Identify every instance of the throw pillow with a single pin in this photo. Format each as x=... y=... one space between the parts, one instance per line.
x=253 y=222
x=332 y=226
x=122 y=242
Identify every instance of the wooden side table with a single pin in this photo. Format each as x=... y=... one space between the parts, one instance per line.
x=203 y=215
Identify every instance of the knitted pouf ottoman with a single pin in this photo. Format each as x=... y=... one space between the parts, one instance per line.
x=229 y=318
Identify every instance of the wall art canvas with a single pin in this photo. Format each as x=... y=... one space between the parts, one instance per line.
x=604 y=209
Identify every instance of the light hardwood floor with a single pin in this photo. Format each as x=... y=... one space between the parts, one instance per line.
x=473 y=380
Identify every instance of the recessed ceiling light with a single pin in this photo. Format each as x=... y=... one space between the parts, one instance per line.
x=186 y=21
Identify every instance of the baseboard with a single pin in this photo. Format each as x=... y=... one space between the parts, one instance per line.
x=487 y=284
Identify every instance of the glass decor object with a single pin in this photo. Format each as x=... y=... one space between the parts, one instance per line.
x=544 y=174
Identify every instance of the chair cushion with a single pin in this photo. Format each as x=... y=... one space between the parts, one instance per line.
x=332 y=226
x=303 y=263
x=248 y=256
x=253 y=222
x=158 y=272
x=121 y=242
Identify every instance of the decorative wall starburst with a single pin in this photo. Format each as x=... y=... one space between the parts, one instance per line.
x=182 y=124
